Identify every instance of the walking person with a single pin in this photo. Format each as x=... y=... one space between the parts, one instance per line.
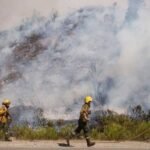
x=83 y=122
x=5 y=119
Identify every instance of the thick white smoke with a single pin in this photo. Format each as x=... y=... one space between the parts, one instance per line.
x=89 y=52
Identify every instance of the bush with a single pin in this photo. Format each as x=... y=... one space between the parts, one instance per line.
x=27 y=133
x=115 y=131
x=66 y=131
x=1 y=134
x=142 y=131
x=120 y=127
x=97 y=135
x=112 y=127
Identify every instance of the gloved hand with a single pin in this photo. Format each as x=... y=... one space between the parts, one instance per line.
x=89 y=112
x=9 y=120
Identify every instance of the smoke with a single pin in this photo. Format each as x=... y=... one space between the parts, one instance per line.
x=56 y=61
x=13 y=12
x=133 y=9
x=133 y=86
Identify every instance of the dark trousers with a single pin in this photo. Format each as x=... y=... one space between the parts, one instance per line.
x=82 y=126
x=4 y=127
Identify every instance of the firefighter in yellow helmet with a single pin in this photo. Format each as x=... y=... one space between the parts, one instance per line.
x=83 y=122
x=5 y=118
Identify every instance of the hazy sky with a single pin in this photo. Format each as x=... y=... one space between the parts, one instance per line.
x=14 y=11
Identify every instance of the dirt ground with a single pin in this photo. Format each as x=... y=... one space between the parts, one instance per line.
x=76 y=144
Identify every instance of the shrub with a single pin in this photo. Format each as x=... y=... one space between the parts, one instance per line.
x=66 y=131
x=27 y=133
x=1 y=134
x=97 y=135
x=112 y=127
x=142 y=131
x=115 y=131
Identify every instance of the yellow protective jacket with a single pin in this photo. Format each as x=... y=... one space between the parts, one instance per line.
x=4 y=114
x=84 y=113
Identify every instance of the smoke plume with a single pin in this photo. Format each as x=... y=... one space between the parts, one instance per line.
x=53 y=62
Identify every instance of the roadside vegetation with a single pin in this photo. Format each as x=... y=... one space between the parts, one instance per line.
x=109 y=126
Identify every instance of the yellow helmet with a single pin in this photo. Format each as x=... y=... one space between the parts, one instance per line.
x=6 y=102
x=88 y=99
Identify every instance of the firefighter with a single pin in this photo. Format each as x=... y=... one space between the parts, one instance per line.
x=83 y=122
x=5 y=118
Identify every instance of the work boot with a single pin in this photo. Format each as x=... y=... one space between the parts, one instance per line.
x=70 y=136
x=89 y=143
x=8 y=139
x=68 y=141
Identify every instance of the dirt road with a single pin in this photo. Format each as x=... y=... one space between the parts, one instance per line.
x=77 y=145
